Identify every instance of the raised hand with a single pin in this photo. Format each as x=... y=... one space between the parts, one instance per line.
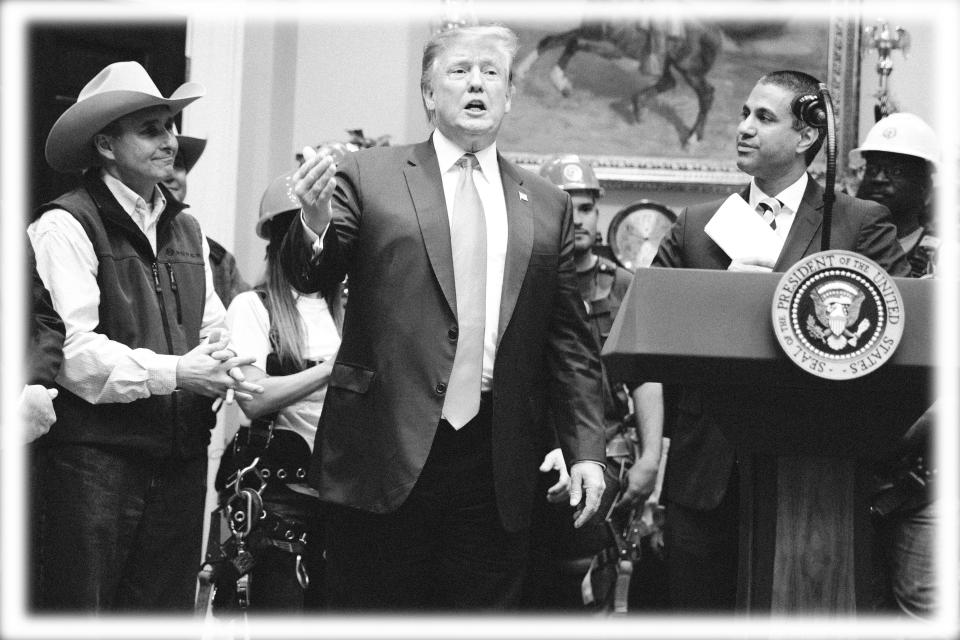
x=314 y=183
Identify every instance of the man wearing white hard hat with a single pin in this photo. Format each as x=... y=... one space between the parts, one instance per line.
x=120 y=490
x=901 y=153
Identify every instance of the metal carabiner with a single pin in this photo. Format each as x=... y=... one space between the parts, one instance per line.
x=248 y=470
x=243 y=515
x=302 y=576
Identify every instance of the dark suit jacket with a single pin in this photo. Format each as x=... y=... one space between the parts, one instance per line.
x=701 y=460
x=385 y=395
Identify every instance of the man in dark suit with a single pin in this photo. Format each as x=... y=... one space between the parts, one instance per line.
x=456 y=348
x=700 y=488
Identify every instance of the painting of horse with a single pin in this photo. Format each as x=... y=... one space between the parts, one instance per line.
x=636 y=88
x=660 y=50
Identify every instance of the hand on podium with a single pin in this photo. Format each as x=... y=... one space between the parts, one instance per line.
x=751 y=265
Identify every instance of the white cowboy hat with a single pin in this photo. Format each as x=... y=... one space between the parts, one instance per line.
x=120 y=89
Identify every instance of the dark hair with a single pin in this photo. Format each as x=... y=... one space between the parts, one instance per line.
x=441 y=41
x=799 y=84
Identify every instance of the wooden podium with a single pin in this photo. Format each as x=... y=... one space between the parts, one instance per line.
x=805 y=443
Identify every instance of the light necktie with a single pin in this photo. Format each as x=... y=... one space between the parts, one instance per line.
x=769 y=208
x=468 y=241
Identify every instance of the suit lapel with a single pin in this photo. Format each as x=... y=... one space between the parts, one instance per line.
x=804 y=228
x=422 y=173
x=519 y=239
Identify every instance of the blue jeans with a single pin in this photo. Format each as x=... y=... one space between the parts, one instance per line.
x=115 y=531
x=906 y=550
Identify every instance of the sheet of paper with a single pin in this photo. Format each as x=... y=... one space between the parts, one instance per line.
x=742 y=233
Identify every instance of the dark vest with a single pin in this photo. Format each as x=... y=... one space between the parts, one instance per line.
x=147 y=301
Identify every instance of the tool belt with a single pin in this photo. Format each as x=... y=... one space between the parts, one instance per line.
x=284 y=456
x=260 y=461
x=606 y=585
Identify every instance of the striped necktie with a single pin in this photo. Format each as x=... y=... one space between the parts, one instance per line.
x=769 y=208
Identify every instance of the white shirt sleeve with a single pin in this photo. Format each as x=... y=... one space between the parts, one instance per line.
x=213 y=312
x=249 y=326
x=97 y=369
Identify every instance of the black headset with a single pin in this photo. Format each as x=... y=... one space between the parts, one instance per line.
x=808 y=109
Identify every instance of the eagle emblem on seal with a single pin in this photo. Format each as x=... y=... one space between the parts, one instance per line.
x=836 y=307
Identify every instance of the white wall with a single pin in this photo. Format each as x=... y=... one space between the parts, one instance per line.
x=273 y=87
x=358 y=75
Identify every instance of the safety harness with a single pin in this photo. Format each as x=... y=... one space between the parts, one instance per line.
x=241 y=528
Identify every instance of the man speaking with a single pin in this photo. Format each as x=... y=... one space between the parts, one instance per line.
x=464 y=335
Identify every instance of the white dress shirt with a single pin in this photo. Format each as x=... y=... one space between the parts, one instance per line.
x=98 y=369
x=490 y=188
x=790 y=199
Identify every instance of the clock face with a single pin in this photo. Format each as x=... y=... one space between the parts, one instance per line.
x=635 y=233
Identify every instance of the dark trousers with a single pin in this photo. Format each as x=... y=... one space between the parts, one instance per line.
x=560 y=554
x=114 y=531
x=274 y=585
x=273 y=580
x=701 y=549
x=443 y=549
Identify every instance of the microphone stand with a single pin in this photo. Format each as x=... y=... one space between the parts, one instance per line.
x=829 y=194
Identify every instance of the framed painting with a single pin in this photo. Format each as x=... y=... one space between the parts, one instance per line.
x=656 y=102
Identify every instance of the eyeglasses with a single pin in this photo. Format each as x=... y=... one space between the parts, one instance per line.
x=891 y=170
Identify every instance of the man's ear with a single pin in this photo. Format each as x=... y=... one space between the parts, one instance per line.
x=808 y=136
x=103 y=146
x=428 y=100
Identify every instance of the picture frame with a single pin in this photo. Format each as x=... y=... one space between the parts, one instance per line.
x=593 y=119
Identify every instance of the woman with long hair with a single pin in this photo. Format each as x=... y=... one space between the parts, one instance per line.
x=294 y=337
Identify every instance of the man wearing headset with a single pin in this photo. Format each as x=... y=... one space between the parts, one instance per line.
x=775 y=147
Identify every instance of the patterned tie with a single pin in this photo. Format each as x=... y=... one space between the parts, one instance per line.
x=768 y=209
x=468 y=240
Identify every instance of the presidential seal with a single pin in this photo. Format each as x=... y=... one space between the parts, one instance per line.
x=838 y=315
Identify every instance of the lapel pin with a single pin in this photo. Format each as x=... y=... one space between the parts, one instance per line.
x=523 y=196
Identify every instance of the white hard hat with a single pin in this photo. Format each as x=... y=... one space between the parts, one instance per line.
x=902 y=133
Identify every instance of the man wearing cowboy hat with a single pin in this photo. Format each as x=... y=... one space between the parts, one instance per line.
x=227 y=279
x=120 y=492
